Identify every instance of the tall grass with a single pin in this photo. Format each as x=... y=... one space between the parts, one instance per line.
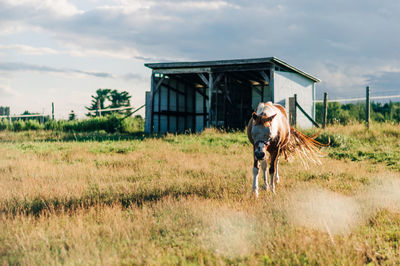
x=186 y=199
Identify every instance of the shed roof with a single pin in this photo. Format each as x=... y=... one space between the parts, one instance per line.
x=227 y=63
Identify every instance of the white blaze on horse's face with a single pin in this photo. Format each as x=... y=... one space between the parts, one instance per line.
x=262 y=137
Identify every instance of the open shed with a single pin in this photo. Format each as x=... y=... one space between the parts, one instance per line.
x=191 y=96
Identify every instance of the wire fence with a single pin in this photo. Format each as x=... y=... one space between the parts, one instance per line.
x=360 y=99
x=367 y=100
x=97 y=111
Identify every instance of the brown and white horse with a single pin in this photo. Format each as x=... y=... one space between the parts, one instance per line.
x=269 y=131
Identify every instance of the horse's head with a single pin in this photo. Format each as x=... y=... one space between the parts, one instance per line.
x=261 y=133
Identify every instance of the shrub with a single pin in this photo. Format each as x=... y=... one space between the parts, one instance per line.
x=32 y=125
x=53 y=125
x=5 y=125
x=19 y=125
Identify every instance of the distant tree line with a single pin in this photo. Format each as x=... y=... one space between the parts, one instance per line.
x=346 y=113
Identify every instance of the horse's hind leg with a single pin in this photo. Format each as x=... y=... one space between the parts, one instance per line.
x=256 y=171
x=264 y=169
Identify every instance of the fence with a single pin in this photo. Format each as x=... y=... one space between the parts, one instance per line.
x=98 y=112
x=293 y=105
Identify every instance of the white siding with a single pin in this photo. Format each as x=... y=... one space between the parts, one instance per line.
x=286 y=84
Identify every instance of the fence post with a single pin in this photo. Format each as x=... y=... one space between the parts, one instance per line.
x=52 y=110
x=98 y=112
x=292 y=110
x=295 y=110
x=367 y=106
x=325 y=113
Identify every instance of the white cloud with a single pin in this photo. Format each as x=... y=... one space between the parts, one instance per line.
x=56 y=7
x=331 y=40
x=16 y=66
x=7 y=91
x=26 y=49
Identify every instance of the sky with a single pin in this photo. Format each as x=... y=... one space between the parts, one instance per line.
x=61 y=51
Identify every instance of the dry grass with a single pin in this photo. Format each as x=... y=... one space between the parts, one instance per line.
x=187 y=199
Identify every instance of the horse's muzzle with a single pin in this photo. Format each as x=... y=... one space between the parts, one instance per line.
x=259 y=155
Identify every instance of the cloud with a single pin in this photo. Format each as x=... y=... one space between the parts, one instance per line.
x=55 y=7
x=132 y=76
x=387 y=80
x=11 y=66
x=26 y=49
x=311 y=35
x=6 y=91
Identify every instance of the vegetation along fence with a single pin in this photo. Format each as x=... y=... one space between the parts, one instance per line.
x=113 y=122
x=334 y=111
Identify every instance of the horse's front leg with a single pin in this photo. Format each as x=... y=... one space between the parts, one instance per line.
x=277 y=170
x=274 y=159
x=256 y=171
x=264 y=169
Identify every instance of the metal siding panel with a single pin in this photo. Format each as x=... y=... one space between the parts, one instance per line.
x=199 y=103
x=189 y=100
x=255 y=98
x=172 y=124
x=156 y=123
x=163 y=125
x=181 y=103
x=164 y=98
x=190 y=122
x=199 y=123
x=156 y=102
x=181 y=124
x=172 y=100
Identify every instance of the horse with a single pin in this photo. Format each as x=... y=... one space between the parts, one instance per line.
x=269 y=131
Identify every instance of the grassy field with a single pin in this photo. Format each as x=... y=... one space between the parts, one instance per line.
x=109 y=199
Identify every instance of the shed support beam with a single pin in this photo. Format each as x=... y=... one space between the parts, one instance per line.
x=271 y=84
x=152 y=104
x=210 y=89
x=204 y=79
x=264 y=76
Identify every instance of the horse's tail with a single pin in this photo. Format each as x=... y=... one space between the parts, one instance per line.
x=305 y=147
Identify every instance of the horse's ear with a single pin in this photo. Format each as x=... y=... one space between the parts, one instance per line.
x=269 y=118
x=254 y=115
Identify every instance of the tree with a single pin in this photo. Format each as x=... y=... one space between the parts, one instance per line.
x=119 y=99
x=106 y=99
x=98 y=100
x=72 y=116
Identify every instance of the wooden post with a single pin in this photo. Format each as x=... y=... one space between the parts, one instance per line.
x=325 y=111
x=168 y=106
x=194 y=118
x=52 y=111
x=204 y=108
x=225 y=94
x=216 y=105
x=152 y=84
x=293 y=110
x=210 y=91
x=367 y=106
x=271 y=83
x=98 y=112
